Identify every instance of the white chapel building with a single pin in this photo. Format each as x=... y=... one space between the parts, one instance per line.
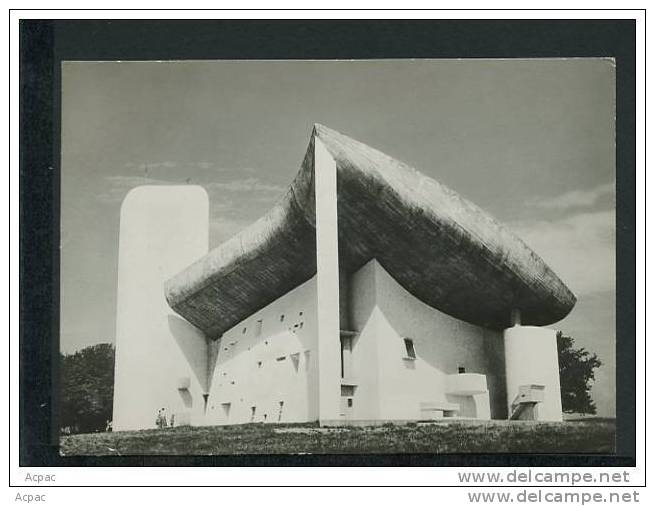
x=370 y=293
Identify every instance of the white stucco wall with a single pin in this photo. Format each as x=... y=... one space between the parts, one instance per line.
x=327 y=285
x=162 y=230
x=258 y=367
x=531 y=358
x=391 y=387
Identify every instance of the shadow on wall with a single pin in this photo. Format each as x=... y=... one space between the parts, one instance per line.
x=187 y=398
x=443 y=342
x=193 y=344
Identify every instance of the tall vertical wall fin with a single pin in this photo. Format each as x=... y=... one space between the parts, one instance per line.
x=531 y=359
x=161 y=360
x=327 y=269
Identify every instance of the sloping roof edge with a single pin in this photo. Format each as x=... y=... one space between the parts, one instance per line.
x=442 y=248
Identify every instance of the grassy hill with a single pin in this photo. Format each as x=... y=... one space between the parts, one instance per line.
x=582 y=436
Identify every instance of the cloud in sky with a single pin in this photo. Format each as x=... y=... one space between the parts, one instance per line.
x=251 y=184
x=575 y=198
x=119 y=185
x=580 y=248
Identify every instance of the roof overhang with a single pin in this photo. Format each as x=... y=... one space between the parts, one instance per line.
x=443 y=249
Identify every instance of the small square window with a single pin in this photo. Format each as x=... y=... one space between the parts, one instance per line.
x=461 y=369
x=409 y=347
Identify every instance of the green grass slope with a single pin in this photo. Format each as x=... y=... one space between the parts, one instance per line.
x=585 y=436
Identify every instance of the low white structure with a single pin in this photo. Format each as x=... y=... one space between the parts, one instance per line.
x=369 y=294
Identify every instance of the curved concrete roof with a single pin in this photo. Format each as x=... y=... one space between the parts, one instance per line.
x=443 y=249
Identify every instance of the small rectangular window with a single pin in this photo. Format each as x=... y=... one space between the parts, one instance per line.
x=258 y=328
x=347 y=390
x=295 y=358
x=409 y=347
x=280 y=359
x=461 y=369
x=281 y=317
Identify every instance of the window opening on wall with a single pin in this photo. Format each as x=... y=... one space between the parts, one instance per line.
x=461 y=369
x=409 y=347
x=258 y=328
x=281 y=317
x=279 y=414
x=300 y=324
x=295 y=359
x=280 y=359
x=259 y=364
x=253 y=410
x=350 y=403
x=300 y=313
x=206 y=398
x=265 y=416
x=244 y=330
x=347 y=390
x=226 y=408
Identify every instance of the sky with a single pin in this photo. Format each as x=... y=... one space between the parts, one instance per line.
x=529 y=141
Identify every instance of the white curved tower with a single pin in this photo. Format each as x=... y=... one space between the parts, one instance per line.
x=531 y=363
x=161 y=360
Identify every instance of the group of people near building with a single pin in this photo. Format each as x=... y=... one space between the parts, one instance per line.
x=161 y=421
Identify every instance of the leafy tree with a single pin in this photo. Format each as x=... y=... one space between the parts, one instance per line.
x=576 y=373
x=87 y=388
